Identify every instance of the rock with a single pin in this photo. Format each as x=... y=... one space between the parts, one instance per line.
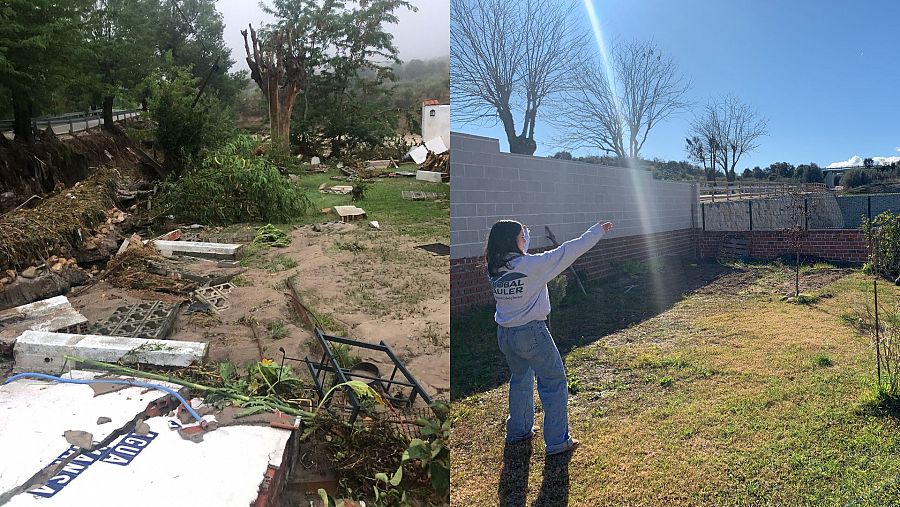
x=5 y=281
x=30 y=272
x=11 y=274
x=104 y=229
x=142 y=428
x=103 y=420
x=79 y=438
x=315 y=161
x=57 y=268
x=71 y=260
x=52 y=260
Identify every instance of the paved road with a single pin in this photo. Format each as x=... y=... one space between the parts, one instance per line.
x=77 y=125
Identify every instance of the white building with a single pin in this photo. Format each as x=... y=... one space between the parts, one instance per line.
x=436 y=121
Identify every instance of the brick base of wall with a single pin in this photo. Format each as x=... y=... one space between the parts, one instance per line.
x=837 y=245
x=468 y=278
x=469 y=286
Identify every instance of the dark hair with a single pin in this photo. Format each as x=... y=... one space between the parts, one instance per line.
x=502 y=242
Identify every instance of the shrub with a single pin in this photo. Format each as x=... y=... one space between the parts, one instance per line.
x=856 y=178
x=183 y=131
x=232 y=185
x=557 y=288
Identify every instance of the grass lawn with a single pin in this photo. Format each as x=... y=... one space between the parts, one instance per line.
x=384 y=202
x=718 y=395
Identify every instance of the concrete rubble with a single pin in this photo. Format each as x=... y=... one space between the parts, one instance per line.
x=57 y=452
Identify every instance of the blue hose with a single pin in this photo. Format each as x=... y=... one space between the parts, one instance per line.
x=134 y=383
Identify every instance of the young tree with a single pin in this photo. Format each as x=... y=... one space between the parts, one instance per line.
x=616 y=113
x=39 y=40
x=122 y=49
x=192 y=31
x=734 y=126
x=508 y=59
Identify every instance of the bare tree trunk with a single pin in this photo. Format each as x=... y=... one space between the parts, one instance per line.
x=108 y=122
x=278 y=70
x=22 y=109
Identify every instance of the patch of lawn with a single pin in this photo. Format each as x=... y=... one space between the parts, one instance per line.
x=743 y=401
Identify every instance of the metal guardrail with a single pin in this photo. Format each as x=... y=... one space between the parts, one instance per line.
x=71 y=119
x=712 y=191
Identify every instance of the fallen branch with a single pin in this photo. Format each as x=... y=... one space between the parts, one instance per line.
x=123 y=370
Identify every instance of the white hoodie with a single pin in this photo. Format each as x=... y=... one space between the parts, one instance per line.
x=521 y=292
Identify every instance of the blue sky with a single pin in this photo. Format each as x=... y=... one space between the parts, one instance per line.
x=826 y=74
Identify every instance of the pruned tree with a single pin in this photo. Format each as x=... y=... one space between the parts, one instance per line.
x=278 y=69
x=731 y=129
x=508 y=59
x=615 y=113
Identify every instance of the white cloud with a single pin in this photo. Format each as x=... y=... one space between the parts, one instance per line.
x=857 y=161
x=853 y=161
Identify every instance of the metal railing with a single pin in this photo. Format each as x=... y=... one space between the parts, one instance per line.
x=73 y=120
x=713 y=191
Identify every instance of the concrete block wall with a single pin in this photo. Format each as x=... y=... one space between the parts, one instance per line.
x=566 y=196
x=826 y=211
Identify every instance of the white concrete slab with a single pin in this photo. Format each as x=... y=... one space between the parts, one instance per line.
x=436 y=146
x=40 y=351
x=432 y=176
x=161 y=468
x=53 y=314
x=199 y=248
x=348 y=213
x=419 y=154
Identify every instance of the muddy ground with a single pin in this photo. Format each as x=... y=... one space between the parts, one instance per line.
x=361 y=283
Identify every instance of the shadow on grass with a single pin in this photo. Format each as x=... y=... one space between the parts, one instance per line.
x=612 y=304
x=555 y=486
x=512 y=490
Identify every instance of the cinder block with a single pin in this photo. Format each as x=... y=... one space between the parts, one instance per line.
x=149 y=320
x=41 y=351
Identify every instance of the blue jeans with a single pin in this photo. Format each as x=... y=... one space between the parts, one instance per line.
x=530 y=351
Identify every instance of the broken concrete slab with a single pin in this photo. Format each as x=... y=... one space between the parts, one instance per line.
x=227 y=251
x=380 y=164
x=349 y=213
x=133 y=469
x=337 y=189
x=41 y=351
x=432 y=176
x=53 y=314
x=415 y=195
x=152 y=320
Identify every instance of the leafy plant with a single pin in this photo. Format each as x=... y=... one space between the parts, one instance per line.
x=557 y=288
x=271 y=236
x=232 y=185
x=359 y=192
x=431 y=453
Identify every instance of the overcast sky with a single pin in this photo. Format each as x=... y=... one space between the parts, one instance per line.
x=422 y=34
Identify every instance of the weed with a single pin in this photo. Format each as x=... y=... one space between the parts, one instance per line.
x=350 y=246
x=665 y=381
x=280 y=263
x=242 y=281
x=574 y=385
x=341 y=353
x=277 y=330
x=822 y=360
x=434 y=336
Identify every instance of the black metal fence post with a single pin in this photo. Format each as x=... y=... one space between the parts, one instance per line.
x=750 y=207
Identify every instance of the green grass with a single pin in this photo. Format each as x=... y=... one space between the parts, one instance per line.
x=719 y=400
x=383 y=202
x=277 y=330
